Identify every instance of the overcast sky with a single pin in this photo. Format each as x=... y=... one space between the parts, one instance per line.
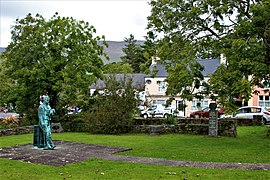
x=116 y=19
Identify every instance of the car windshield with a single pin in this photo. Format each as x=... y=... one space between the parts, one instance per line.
x=152 y=108
x=206 y=109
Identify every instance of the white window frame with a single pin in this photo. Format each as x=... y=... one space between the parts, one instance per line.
x=161 y=86
x=264 y=101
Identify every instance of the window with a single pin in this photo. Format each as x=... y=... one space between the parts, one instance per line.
x=148 y=81
x=196 y=104
x=161 y=86
x=159 y=102
x=256 y=110
x=264 y=101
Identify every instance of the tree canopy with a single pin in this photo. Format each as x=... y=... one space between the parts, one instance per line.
x=194 y=29
x=134 y=54
x=117 y=68
x=60 y=55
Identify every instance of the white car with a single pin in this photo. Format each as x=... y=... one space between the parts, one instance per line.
x=248 y=112
x=157 y=111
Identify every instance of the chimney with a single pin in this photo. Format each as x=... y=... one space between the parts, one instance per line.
x=155 y=60
x=223 y=59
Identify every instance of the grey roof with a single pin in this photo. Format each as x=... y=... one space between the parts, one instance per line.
x=137 y=81
x=210 y=66
x=161 y=70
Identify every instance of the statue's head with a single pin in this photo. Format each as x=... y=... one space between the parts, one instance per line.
x=46 y=99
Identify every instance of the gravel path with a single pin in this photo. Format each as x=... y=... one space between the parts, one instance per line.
x=72 y=152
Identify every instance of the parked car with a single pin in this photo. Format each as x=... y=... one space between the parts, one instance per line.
x=248 y=112
x=157 y=111
x=205 y=113
x=73 y=110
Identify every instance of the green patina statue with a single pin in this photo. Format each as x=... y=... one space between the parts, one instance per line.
x=44 y=115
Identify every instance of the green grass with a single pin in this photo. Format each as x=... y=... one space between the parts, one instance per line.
x=251 y=146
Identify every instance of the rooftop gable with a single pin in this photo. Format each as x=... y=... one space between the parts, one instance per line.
x=137 y=81
x=210 y=66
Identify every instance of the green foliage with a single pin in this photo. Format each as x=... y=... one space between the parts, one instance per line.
x=149 y=51
x=134 y=54
x=205 y=29
x=6 y=85
x=230 y=87
x=60 y=55
x=112 y=112
x=117 y=68
x=73 y=123
x=170 y=119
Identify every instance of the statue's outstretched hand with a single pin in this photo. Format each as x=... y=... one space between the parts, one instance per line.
x=52 y=111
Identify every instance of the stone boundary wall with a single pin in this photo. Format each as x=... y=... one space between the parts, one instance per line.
x=256 y=121
x=226 y=127
x=189 y=126
x=17 y=130
x=55 y=128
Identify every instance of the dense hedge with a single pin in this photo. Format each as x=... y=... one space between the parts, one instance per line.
x=73 y=123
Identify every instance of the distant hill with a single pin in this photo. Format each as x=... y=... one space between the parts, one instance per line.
x=114 y=50
x=2 y=50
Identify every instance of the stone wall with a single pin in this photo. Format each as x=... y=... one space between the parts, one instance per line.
x=55 y=128
x=226 y=127
x=187 y=126
x=17 y=130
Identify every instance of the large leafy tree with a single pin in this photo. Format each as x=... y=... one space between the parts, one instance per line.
x=205 y=29
x=134 y=54
x=7 y=86
x=60 y=55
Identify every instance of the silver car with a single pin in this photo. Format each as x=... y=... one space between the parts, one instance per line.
x=248 y=112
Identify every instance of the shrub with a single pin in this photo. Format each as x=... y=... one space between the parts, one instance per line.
x=73 y=123
x=112 y=112
x=170 y=119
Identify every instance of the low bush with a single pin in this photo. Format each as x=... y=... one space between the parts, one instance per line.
x=170 y=119
x=73 y=123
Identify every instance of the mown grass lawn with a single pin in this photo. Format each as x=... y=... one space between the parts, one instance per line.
x=251 y=146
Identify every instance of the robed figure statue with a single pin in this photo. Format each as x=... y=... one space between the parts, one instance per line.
x=44 y=115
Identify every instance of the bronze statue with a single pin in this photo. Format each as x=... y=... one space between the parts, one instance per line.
x=44 y=115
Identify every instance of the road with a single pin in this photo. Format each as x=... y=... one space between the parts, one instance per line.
x=3 y=115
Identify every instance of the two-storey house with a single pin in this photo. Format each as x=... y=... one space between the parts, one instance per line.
x=155 y=87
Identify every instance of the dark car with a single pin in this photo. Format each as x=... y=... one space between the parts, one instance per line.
x=205 y=113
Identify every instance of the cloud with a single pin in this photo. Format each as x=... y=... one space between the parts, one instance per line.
x=20 y=9
x=114 y=19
